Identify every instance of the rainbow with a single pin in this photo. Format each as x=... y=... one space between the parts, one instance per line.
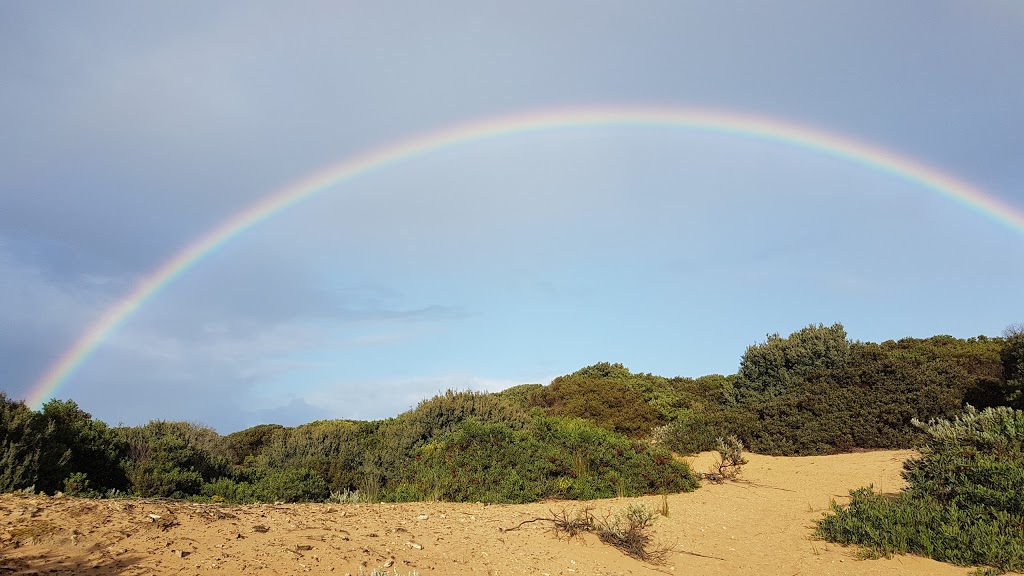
x=707 y=120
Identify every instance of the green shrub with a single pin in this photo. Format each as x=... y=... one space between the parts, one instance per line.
x=811 y=394
x=78 y=484
x=963 y=503
x=552 y=457
x=79 y=444
x=228 y=490
x=252 y=442
x=292 y=485
x=689 y=434
x=172 y=459
x=922 y=525
x=608 y=401
x=974 y=460
x=22 y=435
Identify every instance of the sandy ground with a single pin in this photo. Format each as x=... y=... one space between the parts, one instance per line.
x=762 y=524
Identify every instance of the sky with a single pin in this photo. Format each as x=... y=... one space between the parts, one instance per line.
x=131 y=130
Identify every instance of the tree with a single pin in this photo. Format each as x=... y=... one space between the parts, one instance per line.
x=608 y=401
x=21 y=439
x=79 y=444
x=777 y=366
x=173 y=458
x=1013 y=363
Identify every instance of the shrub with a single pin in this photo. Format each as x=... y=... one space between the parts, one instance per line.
x=172 y=459
x=808 y=394
x=603 y=395
x=689 y=434
x=229 y=490
x=552 y=457
x=292 y=485
x=963 y=504
x=730 y=460
x=78 y=484
x=251 y=442
x=974 y=460
x=921 y=524
x=628 y=530
x=21 y=439
x=77 y=444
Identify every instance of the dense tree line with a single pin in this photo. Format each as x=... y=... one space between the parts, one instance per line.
x=462 y=446
x=813 y=392
x=601 y=431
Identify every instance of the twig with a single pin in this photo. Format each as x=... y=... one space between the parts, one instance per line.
x=702 y=555
x=518 y=526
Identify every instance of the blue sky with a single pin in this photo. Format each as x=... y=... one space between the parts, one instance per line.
x=129 y=130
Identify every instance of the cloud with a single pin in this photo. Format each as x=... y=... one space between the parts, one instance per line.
x=296 y=412
x=39 y=313
x=380 y=398
x=130 y=133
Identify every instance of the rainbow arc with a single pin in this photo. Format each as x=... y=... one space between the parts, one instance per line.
x=717 y=121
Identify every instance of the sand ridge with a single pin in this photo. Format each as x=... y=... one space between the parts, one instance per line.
x=762 y=524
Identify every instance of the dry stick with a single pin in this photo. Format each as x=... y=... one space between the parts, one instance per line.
x=518 y=526
x=702 y=555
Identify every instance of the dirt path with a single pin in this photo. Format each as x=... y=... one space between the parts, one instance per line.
x=761 y=525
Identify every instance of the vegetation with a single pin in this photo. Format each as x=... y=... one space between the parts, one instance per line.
x=730 y=461
x=964 y=503
x=457 y=446
x=21 y=441
x=628 y=530
x=600 y=431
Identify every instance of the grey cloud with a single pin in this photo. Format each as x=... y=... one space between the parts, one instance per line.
x=131 y=130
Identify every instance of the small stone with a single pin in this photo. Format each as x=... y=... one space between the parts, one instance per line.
x=414 y=545
x=180 y=553
x=423 y=517
x=261 y=529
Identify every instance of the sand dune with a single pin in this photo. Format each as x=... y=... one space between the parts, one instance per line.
x=762 y=524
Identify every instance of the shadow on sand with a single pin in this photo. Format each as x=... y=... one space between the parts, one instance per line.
x=84 y=562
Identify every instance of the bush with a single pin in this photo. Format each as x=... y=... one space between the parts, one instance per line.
x=689 y=434
x=228 y=490
x=922 y=525
x=963 y=504
x=605 y=397
x=172 y=459
x=629 y=531
x=21 y=438
x=552 y=457
x=730 y=460
x=78 y=484
x=292 y=485
x=811 y=394
x=77 y=444
x=974 y=460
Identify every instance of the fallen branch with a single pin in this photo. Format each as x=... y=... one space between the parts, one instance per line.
x=520 y=525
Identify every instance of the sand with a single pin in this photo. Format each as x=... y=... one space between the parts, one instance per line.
x=762 y=524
